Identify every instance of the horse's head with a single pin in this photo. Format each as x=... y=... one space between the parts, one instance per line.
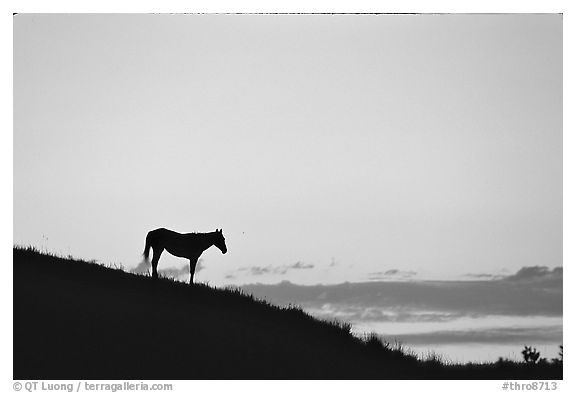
x=220 y=242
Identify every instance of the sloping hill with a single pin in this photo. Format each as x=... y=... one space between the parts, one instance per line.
x=79 y=320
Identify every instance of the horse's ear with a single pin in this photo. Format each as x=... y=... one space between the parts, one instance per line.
x=220 y=230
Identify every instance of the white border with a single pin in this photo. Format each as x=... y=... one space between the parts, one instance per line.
x=294 y=6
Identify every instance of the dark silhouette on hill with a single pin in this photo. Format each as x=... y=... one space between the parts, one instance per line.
x=80 y=320
x=183 y=245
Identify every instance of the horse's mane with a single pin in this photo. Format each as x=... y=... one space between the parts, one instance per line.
x=201 y=233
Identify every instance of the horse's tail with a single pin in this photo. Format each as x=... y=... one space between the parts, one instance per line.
x=146 y=252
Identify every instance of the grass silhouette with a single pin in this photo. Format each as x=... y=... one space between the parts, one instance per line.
x=75 y=319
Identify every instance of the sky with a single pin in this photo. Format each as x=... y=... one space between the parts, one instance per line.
x=427 y=143
x=329 y=148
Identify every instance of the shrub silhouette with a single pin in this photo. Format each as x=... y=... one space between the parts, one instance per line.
x=560 y=359
x=530 y=354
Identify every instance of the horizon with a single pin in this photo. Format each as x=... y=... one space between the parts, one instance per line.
x=521 y=309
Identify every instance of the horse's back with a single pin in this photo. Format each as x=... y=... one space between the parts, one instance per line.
x=163 y=231
x=163 y=234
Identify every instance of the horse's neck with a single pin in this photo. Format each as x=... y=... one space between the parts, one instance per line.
x=206 y=241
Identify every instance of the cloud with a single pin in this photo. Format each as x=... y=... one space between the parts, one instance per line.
x=258 y=271
x=300 y=265
x=527 y=274
x=484 y=276
x=175 y=273
x=200 y=265
x=144 y=267
x=281 y=270
x=391 y=274
x=500 y=335
x=536 y=273
x=529 y=292
x=355 y=313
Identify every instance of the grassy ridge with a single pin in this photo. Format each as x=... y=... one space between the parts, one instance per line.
x=79 y=320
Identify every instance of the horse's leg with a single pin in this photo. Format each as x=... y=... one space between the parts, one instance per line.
x=155 y=259
x=193 y=262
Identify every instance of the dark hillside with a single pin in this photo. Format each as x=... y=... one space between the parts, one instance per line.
x=79 y=320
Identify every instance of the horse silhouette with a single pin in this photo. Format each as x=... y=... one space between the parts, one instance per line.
x=183 y=245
